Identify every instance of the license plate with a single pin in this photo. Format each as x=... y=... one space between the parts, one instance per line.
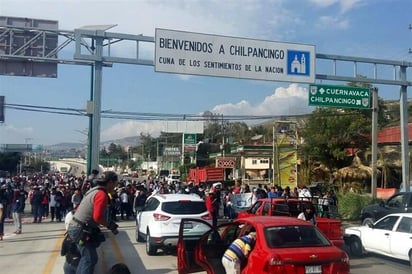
x=313 y=269
x=187 y=226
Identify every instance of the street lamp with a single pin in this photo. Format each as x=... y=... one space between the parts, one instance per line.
x=26 y=141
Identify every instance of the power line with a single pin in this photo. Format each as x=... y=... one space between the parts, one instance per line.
x=143 y=115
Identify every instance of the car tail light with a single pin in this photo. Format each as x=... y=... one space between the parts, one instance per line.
x=343 y=266
x=160 y=217
x=207 y=216
x=275 y=265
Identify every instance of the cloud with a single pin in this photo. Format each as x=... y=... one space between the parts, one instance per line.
x=292 y=100
x=131 y=128
x=328 y=21
x=344 y=5
x=9 y=132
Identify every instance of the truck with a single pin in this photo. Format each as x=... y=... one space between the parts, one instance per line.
x=332 y=228
x=206 y=175
x=400 y=202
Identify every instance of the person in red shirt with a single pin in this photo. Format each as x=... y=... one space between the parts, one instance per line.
x=237 y=188
x=84 y=227
x=211 y=205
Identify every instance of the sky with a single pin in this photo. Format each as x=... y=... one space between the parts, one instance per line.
x=359 y=28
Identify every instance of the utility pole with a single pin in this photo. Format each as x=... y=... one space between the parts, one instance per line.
x=223 y=137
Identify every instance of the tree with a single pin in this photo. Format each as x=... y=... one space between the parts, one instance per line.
x=239 y=132
x=330 y=133
x=9 y=161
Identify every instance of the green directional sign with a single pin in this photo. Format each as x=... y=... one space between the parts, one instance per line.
x=339 y=96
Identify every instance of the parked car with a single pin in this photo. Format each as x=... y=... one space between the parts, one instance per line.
x=390 y=236
x=332 y=228
x=158 y=222
x=283 y=245
x=397 y=203
x=173 y=179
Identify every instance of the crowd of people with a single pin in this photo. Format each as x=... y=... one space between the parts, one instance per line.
x=52 y=196
x=56 y=197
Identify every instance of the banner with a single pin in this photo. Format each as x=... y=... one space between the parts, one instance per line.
x=241 y=201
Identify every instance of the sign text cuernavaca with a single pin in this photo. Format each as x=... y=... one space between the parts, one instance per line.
x=213 y=55
x=339 y=96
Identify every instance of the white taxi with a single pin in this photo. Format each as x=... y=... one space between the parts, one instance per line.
x=389 y=236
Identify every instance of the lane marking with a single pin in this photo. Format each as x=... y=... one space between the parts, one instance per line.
x=52 y=260
x=117 y=250
x=103 y=262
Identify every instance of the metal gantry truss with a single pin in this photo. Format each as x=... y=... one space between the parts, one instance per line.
x=93 y=47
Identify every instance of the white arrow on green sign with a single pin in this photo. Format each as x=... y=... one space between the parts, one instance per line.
x=339 y=96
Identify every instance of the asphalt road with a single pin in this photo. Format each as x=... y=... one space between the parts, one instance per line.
x=37 y=251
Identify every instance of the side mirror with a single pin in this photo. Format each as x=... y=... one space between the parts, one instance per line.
x=370 y=225
x=382 y=203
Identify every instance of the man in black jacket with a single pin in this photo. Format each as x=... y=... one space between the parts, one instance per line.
x=18 y=208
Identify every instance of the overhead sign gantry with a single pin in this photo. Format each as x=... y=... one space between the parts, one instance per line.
x=250 y=54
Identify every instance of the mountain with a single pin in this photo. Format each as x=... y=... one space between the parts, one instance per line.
x=124 y=142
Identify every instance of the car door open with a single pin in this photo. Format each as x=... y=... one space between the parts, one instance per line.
x=200 y=247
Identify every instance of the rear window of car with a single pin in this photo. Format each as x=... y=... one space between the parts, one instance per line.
x=294 y=236
x=184 y=207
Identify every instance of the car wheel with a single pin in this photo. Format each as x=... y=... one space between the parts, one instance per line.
x=150 y=248
x=367 y=221
x=139 y=237
x=356 y=247
x=410 y=258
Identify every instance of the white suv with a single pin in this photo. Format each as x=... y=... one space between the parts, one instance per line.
x=173 y=179
x=158 y=222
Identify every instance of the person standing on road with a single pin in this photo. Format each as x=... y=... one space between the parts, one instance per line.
x=84 y=227
x=76 y=198
x=235 y=257
x=211 y=205
x=37 y=205
x=139 y=200
x=2 y=214
x=69 y=249
x=18 y=209
x=124 y=206
x=333 y=205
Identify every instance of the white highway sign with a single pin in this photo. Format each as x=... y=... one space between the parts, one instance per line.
x=213 y=55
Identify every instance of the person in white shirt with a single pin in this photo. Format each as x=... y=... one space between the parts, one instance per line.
x=308 y=214
x=305 y=194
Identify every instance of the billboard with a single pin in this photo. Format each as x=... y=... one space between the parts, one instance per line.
x=28 y=40
x=212 y=55
x=16 y=148
x=190 y=127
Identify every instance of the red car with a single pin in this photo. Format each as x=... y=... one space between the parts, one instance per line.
x=283 y=245
x=332 y=228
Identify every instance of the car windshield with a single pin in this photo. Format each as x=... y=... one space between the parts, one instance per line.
x=294 y=236
x=184 y=207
